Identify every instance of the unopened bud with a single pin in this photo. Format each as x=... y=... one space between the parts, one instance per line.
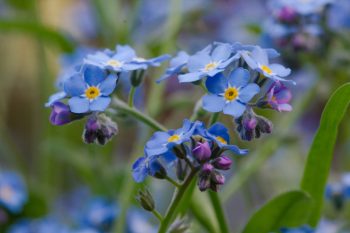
x=202 y=151
x=222 y=163
x=146 y=200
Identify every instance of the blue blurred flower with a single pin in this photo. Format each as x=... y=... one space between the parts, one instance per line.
x=151 y=166
x=208 y=62
x=219 y=134
x=258 y=60
x=230 y=94
x=138 y=222
x=176 y=65
x=90 y=89
x=124 y=59
x=13 y=193
x=302 y=229
x=162 y=142
x=100 y=214
x=339 y=15
x=42 y=225
x=301 y=6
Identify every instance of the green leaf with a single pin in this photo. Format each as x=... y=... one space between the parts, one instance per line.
x=289 y=209
x=40 y=31
x=321 y=152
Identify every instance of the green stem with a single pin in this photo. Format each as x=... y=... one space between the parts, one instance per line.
x=123 y=107
x=158 y=215
x=177 y=185
x=214 y=118
x=219 y=212
x=175 y=203
x=131 y=96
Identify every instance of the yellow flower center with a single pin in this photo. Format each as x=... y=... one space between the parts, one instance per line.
x=6 y=193
x=92 y=92
x=210 y=66
x=266 y=69
x=220 y=139
x=231 y=93
x=114 y=63
x=173 y=138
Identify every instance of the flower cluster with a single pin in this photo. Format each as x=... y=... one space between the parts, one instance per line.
x=200 y=149
x=297 y=24
x=86 y=87
x=234 y=75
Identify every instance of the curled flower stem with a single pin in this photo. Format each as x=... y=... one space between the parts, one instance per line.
x=175 y=202
x=123 y=107
x=131 y=96
x=158 y=215
x=176 y=184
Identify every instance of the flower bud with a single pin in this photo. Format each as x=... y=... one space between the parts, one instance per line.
x=99 y=129
x=207 y=168
x=146 y=200
x=222 y=163
x=157 y=170
x=203 y=182
x=202 y=151
x=181 y=169
x=62 y=115
x=179 y=226
x=217 y=178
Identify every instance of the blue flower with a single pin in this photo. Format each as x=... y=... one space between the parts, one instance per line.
x=176 y=65
x=241 y=49
x=42 y=225
x=150 y=165
x=302 y=7
x=219 y=134
x=339 y=15
x=208 y=62
x=138 y=222
x=231 y=94
x=13 y=193
x=162 y=142
x=100 y=214
x=123 y=60
x=90 y=89
x=302 y=229
x=258 y=60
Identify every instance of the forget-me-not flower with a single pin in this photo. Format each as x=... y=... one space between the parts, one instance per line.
x=302 y=229
x=90 y=89
x=162 y=142
x=230 y=94
x=13 y=193
x=208 y=62
x=258 y=60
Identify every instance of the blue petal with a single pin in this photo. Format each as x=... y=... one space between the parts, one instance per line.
x=216 y=84
x=260 y=56
x=75 y=85
x=239 y=77
x=219 y=129
x=213 y=103
x=249 y=60
x=248 y=92
x=158 y=60
x=108 y=85
x=190 y=77
x=198 y=61
x=55 y=97
x=234 y=109
x=78 y=104
x=100 y=104
x=280 y=70
x=93 y=75
x=236 y=149
x=139 y=168
x=124 y=53
x=221 y=53
x=157 y=144
x=168 y=157
x=180 y=59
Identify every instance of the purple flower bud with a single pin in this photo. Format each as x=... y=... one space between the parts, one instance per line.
x=222 y=163
x=202 y=151
x=287 y=15
x=99 y=129
x=61 y=114
x=203 y=182
x=278 y=97
x=217 y=178
x=249 y=123
x=207 y=168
